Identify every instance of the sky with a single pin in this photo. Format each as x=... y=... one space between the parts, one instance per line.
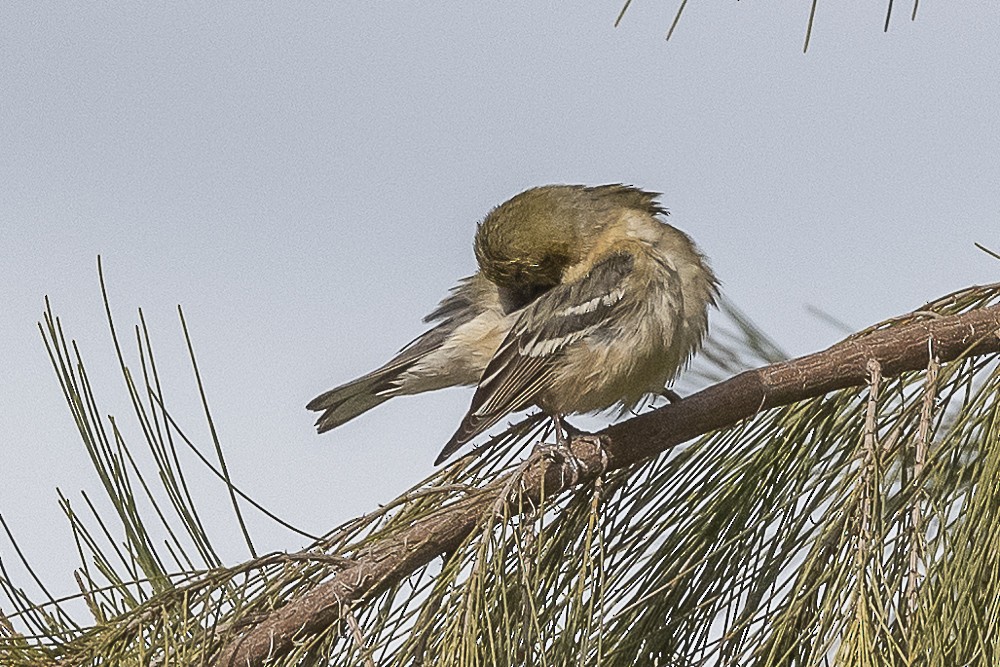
x=306 y=183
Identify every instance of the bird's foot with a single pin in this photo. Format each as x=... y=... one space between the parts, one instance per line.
x=573 y=465
x=599 y=444
x=571 y=431
x=561 y=454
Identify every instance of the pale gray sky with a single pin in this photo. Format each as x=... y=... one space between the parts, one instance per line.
x=306 y=183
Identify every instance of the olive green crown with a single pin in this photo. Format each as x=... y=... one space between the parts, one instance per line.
x=530 y=239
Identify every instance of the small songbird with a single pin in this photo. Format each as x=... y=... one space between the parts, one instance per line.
x=585 y=300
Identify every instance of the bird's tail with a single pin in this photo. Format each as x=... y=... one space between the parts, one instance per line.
x=344 y=403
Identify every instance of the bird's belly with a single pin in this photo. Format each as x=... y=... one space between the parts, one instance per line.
x=604 y=374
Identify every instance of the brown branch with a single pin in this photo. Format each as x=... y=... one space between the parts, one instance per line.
x=898 y=349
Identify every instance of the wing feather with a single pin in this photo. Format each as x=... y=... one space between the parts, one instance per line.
x=523 y=365
x=341 y=404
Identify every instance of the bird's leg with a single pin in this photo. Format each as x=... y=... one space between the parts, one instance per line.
x=561 y=452
x=670 y=395
x=562 y=438
x=570 y=430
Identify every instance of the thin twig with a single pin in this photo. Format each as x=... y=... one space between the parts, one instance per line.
x=869 y=462
x=809 y=25
x=919 y=459
x=622 y=12
x=677 y=17
x=991 y=253
x=359 y=638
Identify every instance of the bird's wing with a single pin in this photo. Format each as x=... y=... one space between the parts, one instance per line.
x=523 y=364
x=341 y=404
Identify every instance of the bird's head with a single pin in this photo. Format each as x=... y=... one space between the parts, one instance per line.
x=525 y=244
x=529 y=240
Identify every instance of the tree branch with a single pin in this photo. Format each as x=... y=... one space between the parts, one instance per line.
x=898 y=349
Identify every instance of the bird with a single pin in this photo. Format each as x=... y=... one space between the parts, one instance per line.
x=585 y=300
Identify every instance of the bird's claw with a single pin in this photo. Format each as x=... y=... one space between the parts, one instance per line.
x=562 y=454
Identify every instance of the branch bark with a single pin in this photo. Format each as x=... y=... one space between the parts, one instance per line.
x=898 y=349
